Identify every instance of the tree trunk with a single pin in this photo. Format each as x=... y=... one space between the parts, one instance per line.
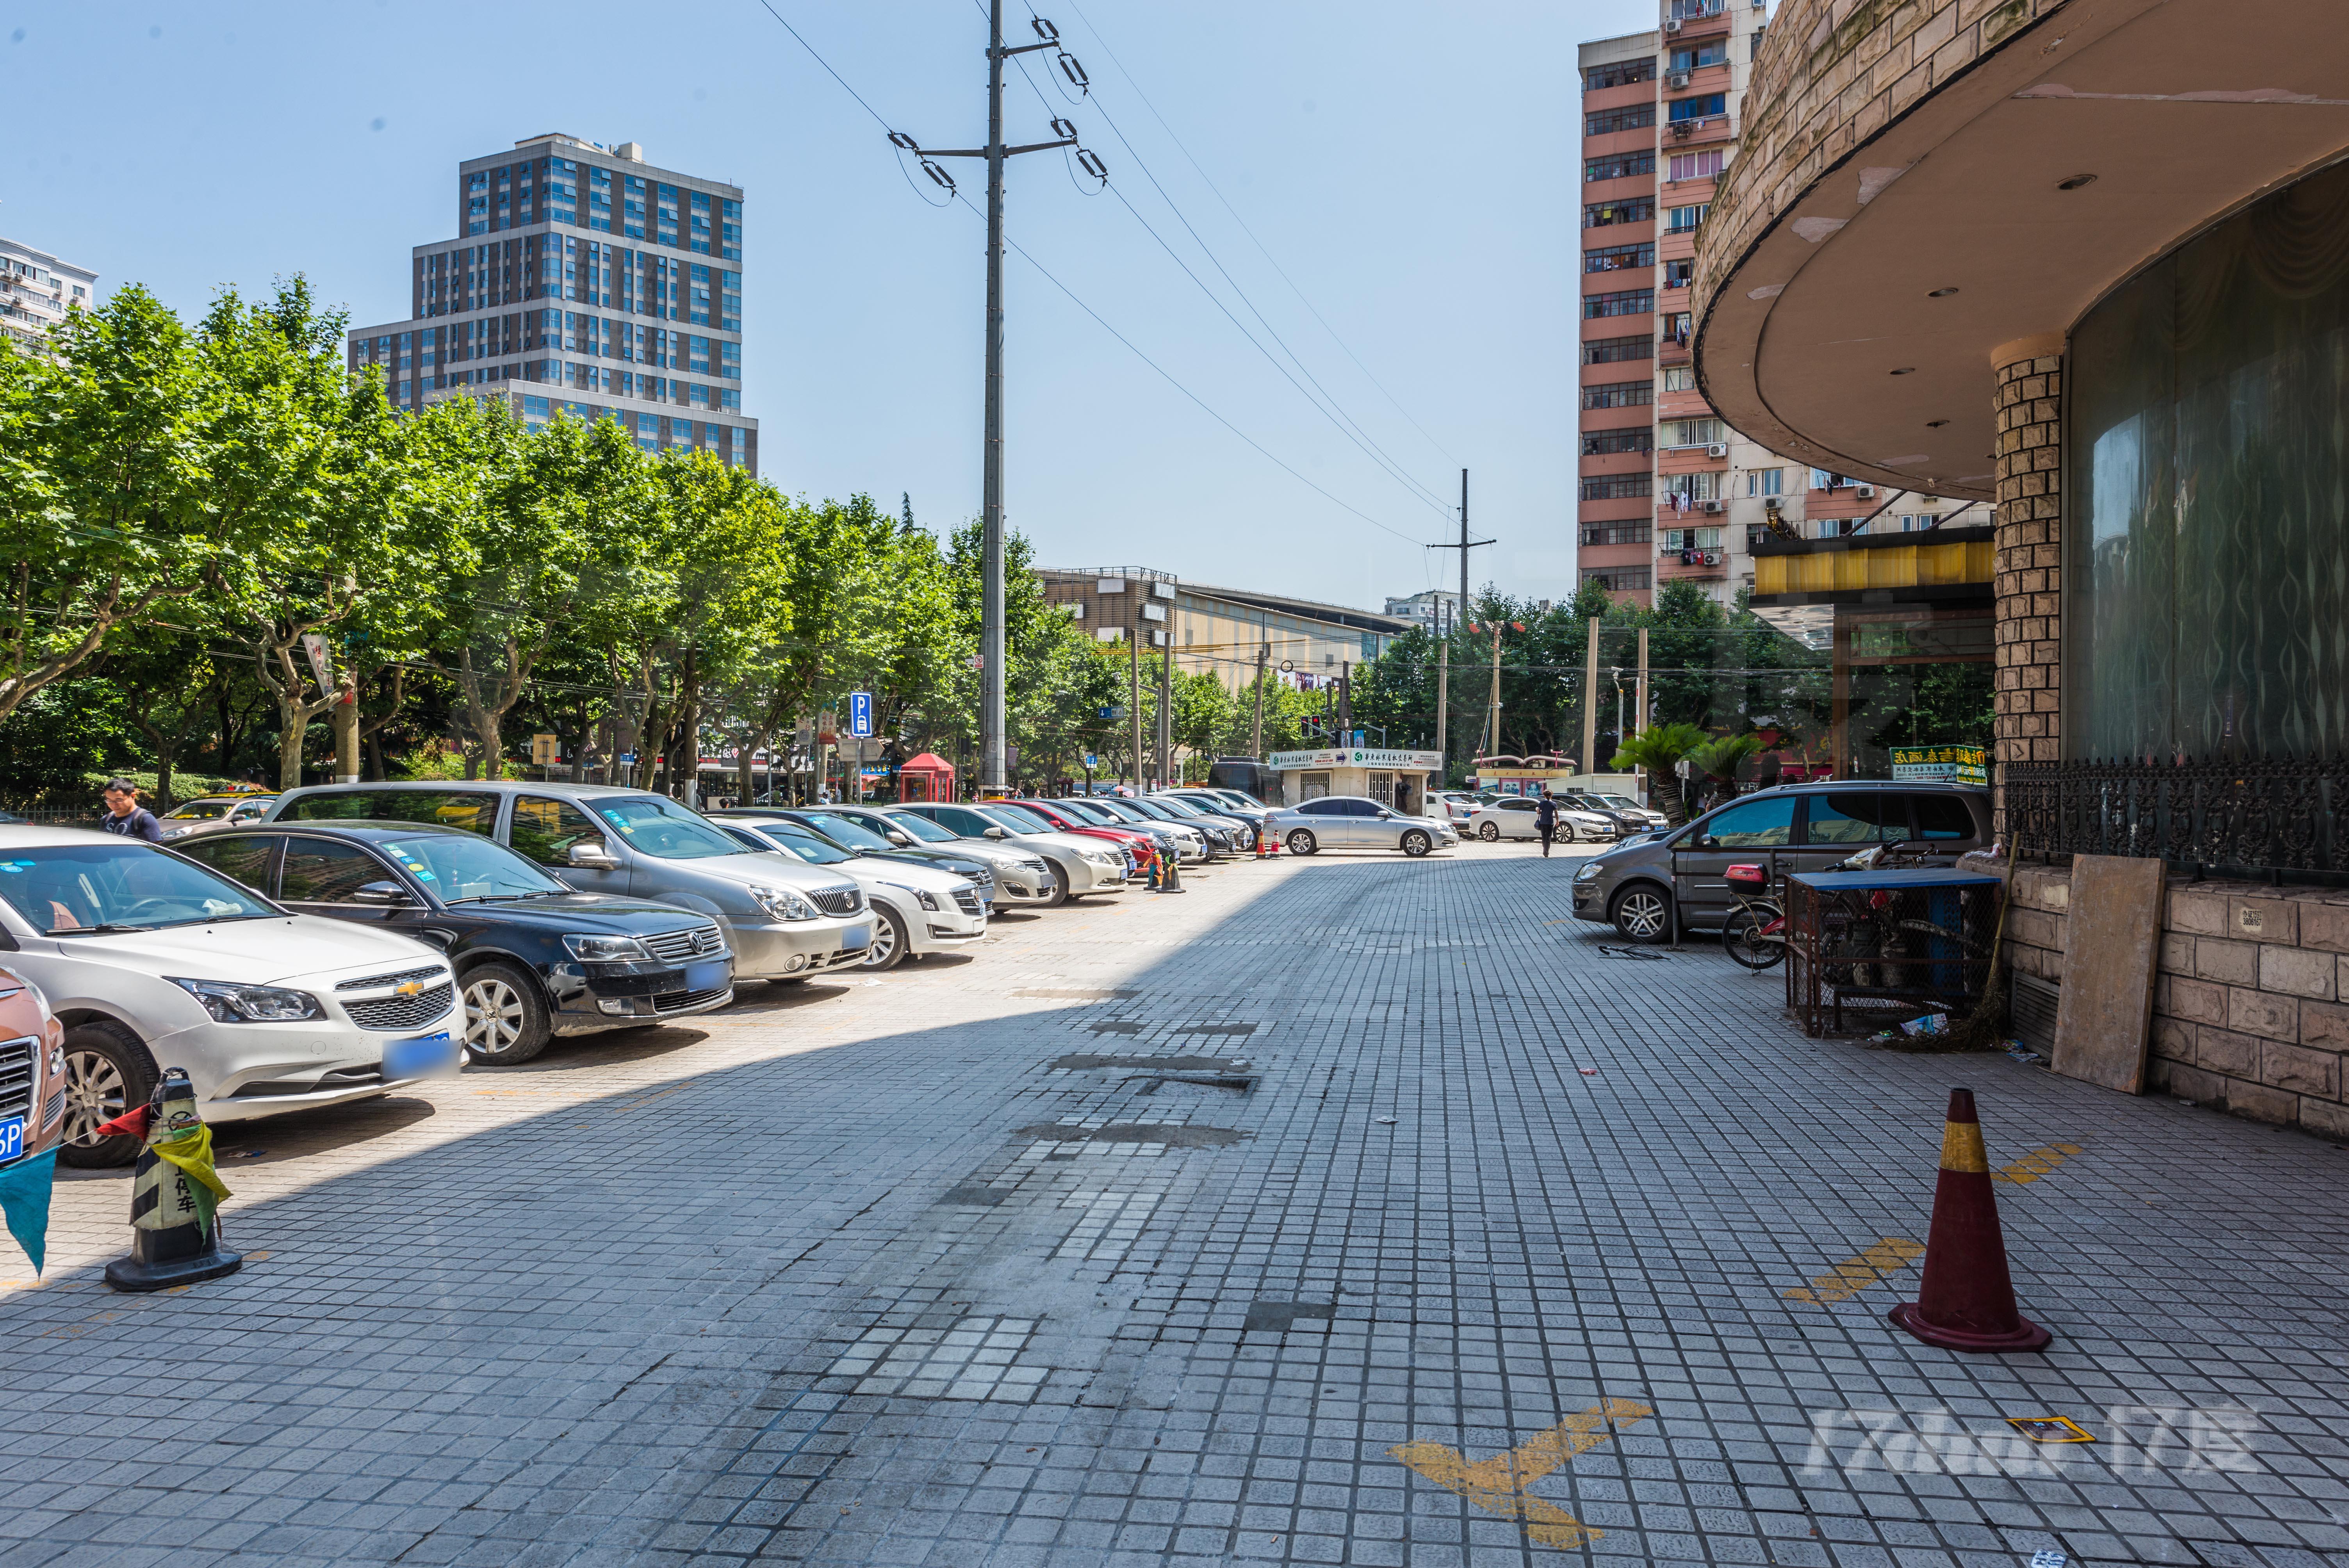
x=344 y=716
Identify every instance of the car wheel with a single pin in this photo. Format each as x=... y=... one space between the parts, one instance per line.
x=1058 y=894
x=1302 y=843
x=107 y=1071
x=1490 y=832
x=1642 y=914
x=889 y=942
x=505 y=1018
x=1416 y=843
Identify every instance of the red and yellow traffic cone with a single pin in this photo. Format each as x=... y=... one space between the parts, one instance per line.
x=1966 y=1299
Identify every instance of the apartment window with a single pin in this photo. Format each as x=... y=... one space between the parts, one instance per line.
x=1822 y=478
x=1622 y=167
x=1696 y=56
x=730 y=361
x=1765 y=482
x=1618 y=395
x=1689 y=10
x=1630 y=209
x=1617 y=532
x=1628 y=439
x=1621 y=73
x=1680 y=379
x=1678 y=275
x=1615 y=487
x=1676 y=327
x=1691 y=432
x=1622 y=302
x=1613 y=350
x=730 y=400
x=1621 y=578
x=1705 y=165
x=1753 y=42
x=1684 y=220
x=1704 y=106
x=1606 y=122
x=1620 y=258
x=1693 y=487
x=1691 y=539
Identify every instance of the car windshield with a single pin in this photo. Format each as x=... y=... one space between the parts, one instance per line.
x=922 y=828
x=463 y=870
x=1176 y=805
x=65 y=889
x=1620 y=802
x=847 y=830
x=1086 y=811
x=473 y=811
x=198 y=811
x=656 y=826
x=811 y=847
x=1115 y=812
x=1014 y=820
x=1157 y=810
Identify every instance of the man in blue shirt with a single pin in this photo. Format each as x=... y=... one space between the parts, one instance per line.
x=126 y=817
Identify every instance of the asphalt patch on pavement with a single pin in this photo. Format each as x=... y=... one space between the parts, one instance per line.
x=1163 y=1064
x=1048 y=993
x=1118 y=1027
x=1278 y=1316
x=973 y=1197
x=1241 y=1030
x=1174 y=1134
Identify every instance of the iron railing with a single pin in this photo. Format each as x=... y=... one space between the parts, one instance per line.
x=2270 y=817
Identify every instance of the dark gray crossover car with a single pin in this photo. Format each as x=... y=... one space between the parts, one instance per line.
x=1806 y=827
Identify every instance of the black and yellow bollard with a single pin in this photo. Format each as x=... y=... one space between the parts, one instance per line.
x=1173 y=881
x=175 y=1197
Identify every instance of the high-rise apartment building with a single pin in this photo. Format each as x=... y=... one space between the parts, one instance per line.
x=586 y=281
x=1665 y=488
x=36 y=289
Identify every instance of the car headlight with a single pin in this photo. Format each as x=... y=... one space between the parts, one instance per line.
x=782 y=903
x=590 y=949
x=919 y=896
x=231 y=1003
x=1105 y=857
x=1587 y=871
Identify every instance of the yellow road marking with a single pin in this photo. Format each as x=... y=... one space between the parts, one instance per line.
x=2035 y=1164
x=1854 y=1274
x=1497 y=1485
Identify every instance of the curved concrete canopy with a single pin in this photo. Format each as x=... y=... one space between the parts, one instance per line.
x=1858 y=331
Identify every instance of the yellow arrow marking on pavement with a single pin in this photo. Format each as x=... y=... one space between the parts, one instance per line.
x=1497 y=1485
x=2035 y=1164
x=1854 y=1274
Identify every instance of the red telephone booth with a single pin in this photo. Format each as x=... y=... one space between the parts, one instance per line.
x=925 y=778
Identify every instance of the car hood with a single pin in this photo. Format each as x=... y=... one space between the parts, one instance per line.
x=755 y=868
x=266 y=952
x=1067 y=843
x=588 y=912
x=869 y=869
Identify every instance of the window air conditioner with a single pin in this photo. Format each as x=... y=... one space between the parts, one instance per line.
x=1676 y=79
x=1717 y=450
x=1671 y=24
x=1683 y=129
x=1710 y=505
x=1712 y=558
x=1864 y=492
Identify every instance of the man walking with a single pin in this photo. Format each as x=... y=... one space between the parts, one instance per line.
x=1545 y=820
x=126 y=817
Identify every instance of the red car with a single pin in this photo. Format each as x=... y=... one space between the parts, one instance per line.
x=1139 y=844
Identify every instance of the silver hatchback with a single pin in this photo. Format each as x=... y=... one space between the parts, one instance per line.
x=1355 y=822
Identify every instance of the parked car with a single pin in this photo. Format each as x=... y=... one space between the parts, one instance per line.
x=1452 y=805
x=1802 y=827
x=1082 y=865
x=922 y=909
x=206 y=813
x=1141 y=847
x=1355 y=822
x=32 y=1072
x=150 y=960
x=1022 y=877
x=782 y=920
x=1628 y=814
x=1183 y=842
x=1240 y=830
x=846 y=830
x=1244 y=776
x=533 y=958
x=1215 y=840
x=1513 y=816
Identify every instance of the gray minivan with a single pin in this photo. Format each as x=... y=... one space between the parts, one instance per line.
x=785 y=920
x=1805 y=827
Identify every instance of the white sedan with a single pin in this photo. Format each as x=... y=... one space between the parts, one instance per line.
x=1512 y=816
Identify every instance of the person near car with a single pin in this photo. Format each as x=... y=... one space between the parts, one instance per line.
x=1545 y=820
x=126 y=817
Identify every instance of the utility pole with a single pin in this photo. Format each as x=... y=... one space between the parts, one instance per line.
x=990 y=641
x=1442 y=686
x=1133 y=697
x=1641 y=711
x=1591 y=701
x=1263 y=662
x=1444 y=740
x=1166 y=714
x=1345 y=704
x=1493 y=746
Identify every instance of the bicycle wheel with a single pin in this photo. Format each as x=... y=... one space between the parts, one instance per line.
x=1741 y=939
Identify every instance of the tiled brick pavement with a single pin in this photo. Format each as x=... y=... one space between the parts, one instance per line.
x=636 y=1302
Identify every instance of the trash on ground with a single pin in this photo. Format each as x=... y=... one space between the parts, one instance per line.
x=2019 y=1052
x=1386 y=1121
x=2050 y=1429
x=1930 y=1024
x=1588 y=1072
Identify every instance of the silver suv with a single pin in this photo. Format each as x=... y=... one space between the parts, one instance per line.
x=784 y=920
x=1802 y=827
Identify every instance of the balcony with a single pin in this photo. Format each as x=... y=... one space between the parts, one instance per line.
x=1674 y=566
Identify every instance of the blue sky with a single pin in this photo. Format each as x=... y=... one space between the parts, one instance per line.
x=1412 y=168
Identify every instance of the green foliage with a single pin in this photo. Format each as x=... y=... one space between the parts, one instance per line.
x=1659 y=749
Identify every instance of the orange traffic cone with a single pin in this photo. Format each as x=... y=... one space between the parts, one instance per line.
x=1966 y=1300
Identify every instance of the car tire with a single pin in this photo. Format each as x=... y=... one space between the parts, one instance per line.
x=506 y=1021
x=1416 y=843
x=889 y=944
x=1642 y=912
x=1059 y=893
x=1301 y=842
x=1490 y=832
x=107 y=1071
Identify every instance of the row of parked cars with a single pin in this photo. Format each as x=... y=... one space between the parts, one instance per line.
x=353 y=938
x=1583 y=816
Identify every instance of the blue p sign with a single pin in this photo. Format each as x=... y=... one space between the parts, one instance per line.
x=860 y=714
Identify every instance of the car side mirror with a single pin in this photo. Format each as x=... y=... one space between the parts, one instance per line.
x=995 y=833
x=390 y=896
x=590 y=854
x=1707 y=841
x=900 y=840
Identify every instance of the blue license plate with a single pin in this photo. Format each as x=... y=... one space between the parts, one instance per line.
x=857 y=940
x=426 y=1055
x=711 y=975
x=12 y=1138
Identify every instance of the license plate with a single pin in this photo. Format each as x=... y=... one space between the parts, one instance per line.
x=710 y=975
x=856 y=940
x=12 y=1138
x=426 y=1055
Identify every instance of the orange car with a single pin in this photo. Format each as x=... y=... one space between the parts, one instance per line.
x=32 y=1070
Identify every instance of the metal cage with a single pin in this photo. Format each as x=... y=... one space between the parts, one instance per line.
x=1888 y=944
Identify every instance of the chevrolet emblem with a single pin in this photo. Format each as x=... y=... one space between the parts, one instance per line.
x=407 y=988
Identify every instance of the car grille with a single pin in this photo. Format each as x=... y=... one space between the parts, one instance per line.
x=680 y=1001
x=390 y=1013
x=694 y=941
x=981 y=877
x=838 y=900
x=1039 y=867
x=967 y=900
x=16 y=1058
x=377 y=982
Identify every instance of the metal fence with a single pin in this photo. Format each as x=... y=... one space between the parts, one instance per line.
x=2265 y=818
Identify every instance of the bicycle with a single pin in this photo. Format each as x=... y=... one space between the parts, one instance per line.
x=1754 y=935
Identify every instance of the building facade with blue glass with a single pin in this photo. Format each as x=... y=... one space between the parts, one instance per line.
x=584 y=281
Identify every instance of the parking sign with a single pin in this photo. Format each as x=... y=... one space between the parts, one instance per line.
x=860 y=714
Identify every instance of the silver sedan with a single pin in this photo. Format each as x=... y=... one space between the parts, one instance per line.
x=1353 y=822
x=1512 y=816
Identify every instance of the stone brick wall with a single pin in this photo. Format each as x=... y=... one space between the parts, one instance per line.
x=2028 y=578
x=2251 y=1003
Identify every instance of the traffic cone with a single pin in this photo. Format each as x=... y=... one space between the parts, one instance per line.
x=1152 y=886
x=174 y=1195
x=1966 y=1300
x=1174 y=882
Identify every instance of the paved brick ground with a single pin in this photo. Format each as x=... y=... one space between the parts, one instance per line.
x=1144 y=1233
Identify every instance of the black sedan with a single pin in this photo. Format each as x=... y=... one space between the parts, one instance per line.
x=860 y=838
x=534 y=959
